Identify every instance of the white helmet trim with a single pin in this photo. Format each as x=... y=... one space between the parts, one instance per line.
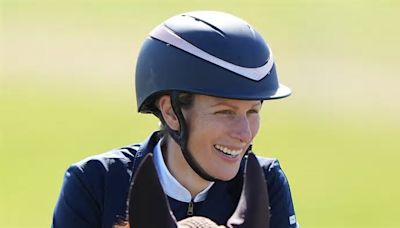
x=165 y=34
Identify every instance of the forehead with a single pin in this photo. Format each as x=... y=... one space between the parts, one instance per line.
x=204 y=100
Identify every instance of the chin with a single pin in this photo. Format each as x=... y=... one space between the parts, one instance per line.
x=227 y=176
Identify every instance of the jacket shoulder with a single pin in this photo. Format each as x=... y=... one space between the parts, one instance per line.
x=103 y=170
x=95 y=187
x=124 y=155
x=268 y=163
x=282 y=209
x=273 y=173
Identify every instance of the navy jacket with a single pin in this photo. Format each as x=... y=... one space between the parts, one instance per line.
x=95 y=190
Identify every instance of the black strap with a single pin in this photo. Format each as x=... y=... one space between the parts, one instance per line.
x=181 y=137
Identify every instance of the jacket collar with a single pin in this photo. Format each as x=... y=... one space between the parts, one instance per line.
x=233 y=187
x=146 y=147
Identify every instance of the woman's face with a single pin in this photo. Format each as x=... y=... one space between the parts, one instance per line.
x=220 y=131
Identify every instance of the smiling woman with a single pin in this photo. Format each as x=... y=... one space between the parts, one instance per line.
x=204 y=75
x=221 y=130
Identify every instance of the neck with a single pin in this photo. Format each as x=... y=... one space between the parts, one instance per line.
x=180 y=169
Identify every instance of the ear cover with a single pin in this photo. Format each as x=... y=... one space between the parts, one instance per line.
x=253 y=207
x=148 y=205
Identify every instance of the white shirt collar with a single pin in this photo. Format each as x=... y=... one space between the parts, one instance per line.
x=170 y=185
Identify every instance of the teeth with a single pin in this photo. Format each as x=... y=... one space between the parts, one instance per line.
x=228 y=151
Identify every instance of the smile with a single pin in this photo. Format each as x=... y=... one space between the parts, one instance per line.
x=227 y=151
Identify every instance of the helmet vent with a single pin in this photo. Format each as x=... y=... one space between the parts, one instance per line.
x=219 y=31
x=166 y=35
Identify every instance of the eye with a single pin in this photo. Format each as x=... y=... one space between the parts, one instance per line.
x=253 y=111
x=225 y=112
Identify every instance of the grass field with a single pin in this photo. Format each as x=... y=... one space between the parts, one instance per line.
x=67 y=72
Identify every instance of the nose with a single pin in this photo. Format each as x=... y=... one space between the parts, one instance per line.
x=241 y=129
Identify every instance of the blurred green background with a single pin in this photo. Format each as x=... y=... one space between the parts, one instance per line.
x=67 y=92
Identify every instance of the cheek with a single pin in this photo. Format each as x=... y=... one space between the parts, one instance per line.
x=203 y=124
x=254 y=125
x=200 y=130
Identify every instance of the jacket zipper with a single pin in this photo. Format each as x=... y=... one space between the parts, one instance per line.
x=190 y=208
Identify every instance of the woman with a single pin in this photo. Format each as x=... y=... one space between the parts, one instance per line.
x=204 y=75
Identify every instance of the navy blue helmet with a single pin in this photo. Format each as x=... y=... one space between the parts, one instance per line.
x=206 y=52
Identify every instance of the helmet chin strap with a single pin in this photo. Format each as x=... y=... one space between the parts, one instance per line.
x=181 y=137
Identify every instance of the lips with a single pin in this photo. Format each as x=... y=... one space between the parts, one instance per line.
x=228 y=151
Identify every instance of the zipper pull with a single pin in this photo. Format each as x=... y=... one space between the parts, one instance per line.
x=190 y=209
